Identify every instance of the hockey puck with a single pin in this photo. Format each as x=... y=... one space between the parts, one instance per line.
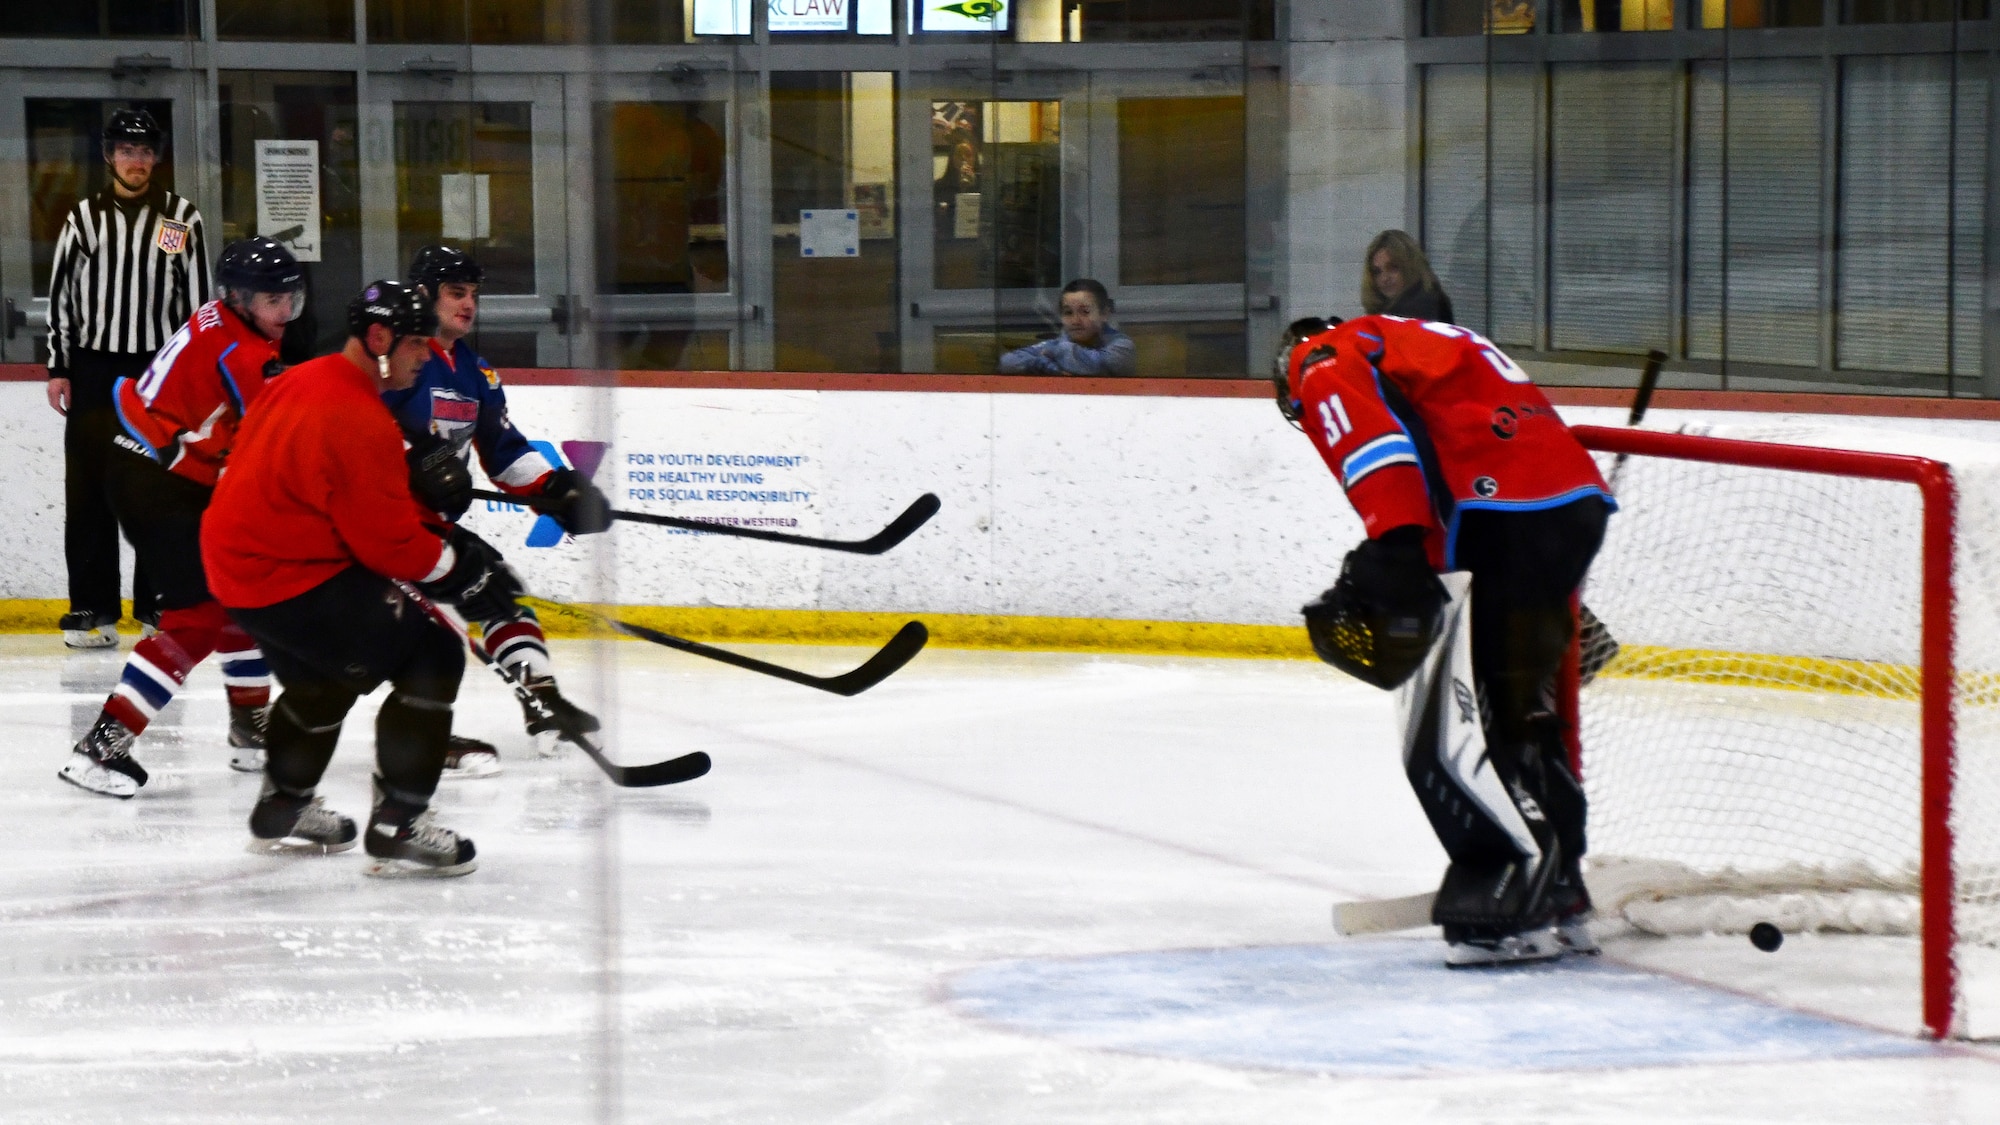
x=1766 y=937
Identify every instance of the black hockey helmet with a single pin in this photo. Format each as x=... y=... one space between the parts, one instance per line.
x=436 y=265
x=260 y=265
x=404 y=309
x=133 y=127
x=1282 y=368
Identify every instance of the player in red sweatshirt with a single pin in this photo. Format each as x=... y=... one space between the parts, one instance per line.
x=1456 y=462
x=176 y=423
x=312 y=527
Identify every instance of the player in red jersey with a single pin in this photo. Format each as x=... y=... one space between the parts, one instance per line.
x=1455 y=461
x=312 y=528
x=176 y=421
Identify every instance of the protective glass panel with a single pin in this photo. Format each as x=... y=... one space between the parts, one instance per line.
x=996 y=176
x=464 y=176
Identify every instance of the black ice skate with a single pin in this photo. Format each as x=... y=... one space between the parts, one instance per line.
x=467 y=758
x=283 y=823
x=247 y=727
x=102 y=762
x=553 y=720
x=405 y=841
x=84 y=629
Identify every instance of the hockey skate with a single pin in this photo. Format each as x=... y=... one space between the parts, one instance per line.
x=469 y=758
x=1574 y=932
x=247 y=726
x=405 y=841
x=83 y=629
x=284 y=824
x=102 y=762
x=1467 y=950
x=553 y=720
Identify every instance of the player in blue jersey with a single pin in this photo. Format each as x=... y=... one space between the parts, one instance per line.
x=457 y=408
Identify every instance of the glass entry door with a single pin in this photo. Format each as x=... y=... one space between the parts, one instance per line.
x=61 y=114
x=481 y=163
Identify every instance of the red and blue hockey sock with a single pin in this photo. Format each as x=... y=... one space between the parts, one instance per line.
x=518 y=645
x=160 y=664
x=245 y=675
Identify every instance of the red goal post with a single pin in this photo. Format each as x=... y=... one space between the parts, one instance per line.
x=1934 y=483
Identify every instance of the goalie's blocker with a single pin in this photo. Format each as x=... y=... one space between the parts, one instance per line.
x=1382 y=616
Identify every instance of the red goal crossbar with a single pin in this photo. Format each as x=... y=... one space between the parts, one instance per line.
x=1934 y=482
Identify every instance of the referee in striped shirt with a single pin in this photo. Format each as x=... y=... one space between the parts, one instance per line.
x=131 y=268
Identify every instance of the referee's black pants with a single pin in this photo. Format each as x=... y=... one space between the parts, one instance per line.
x=90 y=527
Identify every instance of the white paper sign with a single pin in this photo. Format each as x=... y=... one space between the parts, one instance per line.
x=288 y=195
x=965 y=215
x=808 y=15
x=829 y=234
x=465 y=202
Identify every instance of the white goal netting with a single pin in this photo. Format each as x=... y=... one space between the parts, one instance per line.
x=1754 y=751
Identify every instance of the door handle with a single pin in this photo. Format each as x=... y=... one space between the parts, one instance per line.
x=569 y=315
x=16 y=318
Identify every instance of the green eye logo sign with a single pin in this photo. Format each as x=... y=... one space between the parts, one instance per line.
x=975 y=9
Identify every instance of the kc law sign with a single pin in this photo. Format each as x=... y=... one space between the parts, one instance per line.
x=809 y=15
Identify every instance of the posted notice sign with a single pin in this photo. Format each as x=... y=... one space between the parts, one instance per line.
x=288 y=195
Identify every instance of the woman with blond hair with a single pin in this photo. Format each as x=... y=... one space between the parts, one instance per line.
x=1396 y=280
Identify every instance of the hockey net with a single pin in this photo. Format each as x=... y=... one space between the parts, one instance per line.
x=1801 y=721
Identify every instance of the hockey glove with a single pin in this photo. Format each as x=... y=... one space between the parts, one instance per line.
x=1380 y=619
x=438 y=476
x=575 y=503
x=479 y=583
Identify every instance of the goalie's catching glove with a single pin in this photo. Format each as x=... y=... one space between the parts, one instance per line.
x=1380 y=619
x=575 y=503
x=438 y=476
x=479 y=582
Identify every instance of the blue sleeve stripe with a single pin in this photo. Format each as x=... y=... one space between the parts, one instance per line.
x=1355 y=478
x=228 y=380
x=1370 y=457
x=118 y=405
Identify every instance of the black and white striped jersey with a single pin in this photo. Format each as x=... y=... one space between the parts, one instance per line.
x=125 y=281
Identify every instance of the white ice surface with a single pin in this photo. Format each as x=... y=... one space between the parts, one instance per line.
x=775 y=942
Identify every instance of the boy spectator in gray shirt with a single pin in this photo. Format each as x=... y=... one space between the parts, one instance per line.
x=1088 y=345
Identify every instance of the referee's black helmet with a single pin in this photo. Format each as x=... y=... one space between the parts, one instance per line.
x=133 y=127
x=439 y=265
x=404 y=309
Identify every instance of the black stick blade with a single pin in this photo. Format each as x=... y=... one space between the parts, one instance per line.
x=902 y=527
x=908 y=641
x=673 y=771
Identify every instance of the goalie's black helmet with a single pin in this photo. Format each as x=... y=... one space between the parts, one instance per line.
x=1283 y=370
x=133 y=127
x=259 y=265
x=404 y=309
x=437 y=265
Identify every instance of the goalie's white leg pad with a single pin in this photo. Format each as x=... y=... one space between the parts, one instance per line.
x=1514 y=949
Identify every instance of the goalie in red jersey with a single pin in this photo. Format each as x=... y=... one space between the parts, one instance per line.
x=1459 y=466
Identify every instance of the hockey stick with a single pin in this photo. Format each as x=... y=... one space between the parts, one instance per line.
x=1382 y=915
x=908 y=641
x=1649 y=378
x=687 y=767
x=899 y=529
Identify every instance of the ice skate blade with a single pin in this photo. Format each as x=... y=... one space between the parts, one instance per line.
x=247 y=760
x=101 y=637
x=93 y=778
x=295 y=845
x=1515 y=949
x=1576 y=937
x=473 y=768
x=410 y=869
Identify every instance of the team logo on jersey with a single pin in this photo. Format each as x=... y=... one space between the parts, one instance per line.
x=1505 y=422
x=173 y=236
x=492 y=376
x=1486 y=486
x=453 y=416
